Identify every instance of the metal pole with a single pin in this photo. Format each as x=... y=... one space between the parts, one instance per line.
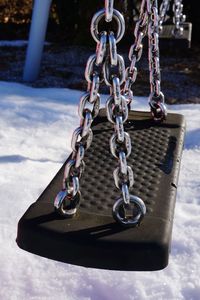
x=37 y=35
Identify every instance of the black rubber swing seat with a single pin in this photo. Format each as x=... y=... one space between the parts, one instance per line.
x=166 y=39
x=92 y=238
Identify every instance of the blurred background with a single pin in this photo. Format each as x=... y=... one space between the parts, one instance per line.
x=69 y=19
x=70 y=44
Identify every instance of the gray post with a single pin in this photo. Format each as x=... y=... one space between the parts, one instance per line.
x=37 y=35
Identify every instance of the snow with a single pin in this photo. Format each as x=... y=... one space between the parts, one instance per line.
x=35 y=131
x=16 y=43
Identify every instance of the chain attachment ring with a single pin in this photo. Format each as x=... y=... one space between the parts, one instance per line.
x=117 y=16
x=119 y=211
x=65 y=205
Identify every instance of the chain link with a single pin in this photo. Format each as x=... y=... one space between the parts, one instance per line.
x=164 y=8
x=110 y=72
x=156 y=97
x=101 y=48
x=120 y=142
x=119 y=212
x=135 y=52
x=117 y=16
x=148 y=22
x=102 y=62
x=109 y=10
x=68 y=198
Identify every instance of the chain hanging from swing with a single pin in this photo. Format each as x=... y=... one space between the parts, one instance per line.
x=153 y=164
x=107 y=66
x=178 y=17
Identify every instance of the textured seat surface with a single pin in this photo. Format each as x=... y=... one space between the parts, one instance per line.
x=92 y=238
x=182 y=41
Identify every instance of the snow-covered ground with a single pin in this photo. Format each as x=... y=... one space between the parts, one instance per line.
x=35 y=131
x=15 y=43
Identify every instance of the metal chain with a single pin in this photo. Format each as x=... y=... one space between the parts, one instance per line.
x=156 y=97
x=164 y=8
x=109 y=10
x=68 y=198
x=135 y=53
x=120 y=142
x=178 y=18
x=148 y=21
x=112 y=64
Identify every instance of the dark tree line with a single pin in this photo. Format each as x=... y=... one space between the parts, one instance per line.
x=74 y=16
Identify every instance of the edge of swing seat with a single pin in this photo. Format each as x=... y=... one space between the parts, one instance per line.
x=95 y=240
x=167 y=40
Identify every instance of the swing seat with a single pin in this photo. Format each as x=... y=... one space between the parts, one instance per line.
x=168 y=40
x=92 y=238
